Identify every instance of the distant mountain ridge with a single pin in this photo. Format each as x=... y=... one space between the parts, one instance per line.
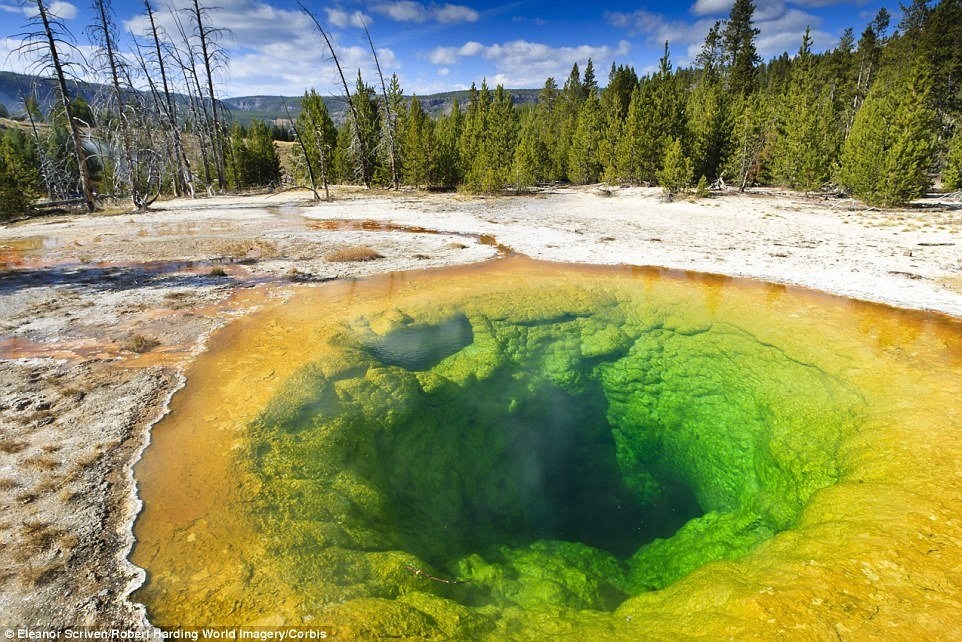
x=244 y=109
x=272 y=109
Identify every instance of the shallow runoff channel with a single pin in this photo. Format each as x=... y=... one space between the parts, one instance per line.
x=523 y=450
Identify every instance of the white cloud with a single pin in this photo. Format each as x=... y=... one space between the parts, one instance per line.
x=764 y=9
x=780 y=27
x=342 y=19
x=785 y=33
x=410 y=11
x=711 y=7
x=289 y=56
x=471 y=49
x=451 y=13
x=443 y=56
x=63 y=10
x=29 y=60
x=636 y=22
x=402 y=11
x=443 y=71
x=58 y=8
x=521 y=63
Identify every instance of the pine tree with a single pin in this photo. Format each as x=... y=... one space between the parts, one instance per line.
x=868 y=54
x=888 y=155
x=550 y=113
x=656 y=116
x=615 y=100
x=739 y=47
x=632 y=148
x=589 y=85
x=751 y=128
x=531 y=155
x=448 y=165
x=707 y=110
x=805 y=140
x=941 y=44
x=501 y=140
x=418 y=146
x=366 y=127
x=709 y=128
x=19 y=178
x=570 y=101
x=612 y=131
x=344 y=171
x=573 y=93
x=952 y=174
x=675 y=174
x=489 y=139
x=913 y=19
x=616 y=96
x=267 y=167
x=710 y=59
x=392 y=114
x=583 y=164
x=253 y=157
x=237 y=157
x=319 y=136
x=473 y=130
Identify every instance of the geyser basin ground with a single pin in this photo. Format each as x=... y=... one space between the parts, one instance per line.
x=625 y=453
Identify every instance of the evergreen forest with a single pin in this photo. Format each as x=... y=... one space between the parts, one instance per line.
x=878 y=118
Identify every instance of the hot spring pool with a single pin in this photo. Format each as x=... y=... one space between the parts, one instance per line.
x=524 y=450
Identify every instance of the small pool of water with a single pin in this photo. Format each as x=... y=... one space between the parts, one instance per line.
x=522 y=449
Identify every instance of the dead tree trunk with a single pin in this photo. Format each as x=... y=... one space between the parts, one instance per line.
x=199 y=115
x=307 y=157
x=390 y=120
x=185 y=179
x=203 y=35
x=63 y=93
x=358 y=139
x=104 y=29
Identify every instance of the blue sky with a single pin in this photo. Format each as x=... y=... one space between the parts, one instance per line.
x=439 y=46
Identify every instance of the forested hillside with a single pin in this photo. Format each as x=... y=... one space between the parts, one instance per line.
x=879 y=117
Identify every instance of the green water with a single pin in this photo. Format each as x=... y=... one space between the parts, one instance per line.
x=556 y=457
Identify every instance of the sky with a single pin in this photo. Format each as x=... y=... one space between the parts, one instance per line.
x=443 y=46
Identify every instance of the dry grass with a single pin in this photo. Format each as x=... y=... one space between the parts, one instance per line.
x=217 y=271
x=252 y=249
x=48 y=485
x=140 y=344
x=74 y=394
x=8 y=483
x=12 y=446
x=353 y=254
x=41 y=463
x=27 y=497
x=80 y=464
x=41 y=575
x=70 y=494
x=40 y=417
x=38 y=536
